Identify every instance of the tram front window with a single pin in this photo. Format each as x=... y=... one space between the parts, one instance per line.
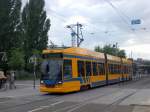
x=52 y=70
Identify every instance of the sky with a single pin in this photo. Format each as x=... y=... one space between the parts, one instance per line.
x=104 y=22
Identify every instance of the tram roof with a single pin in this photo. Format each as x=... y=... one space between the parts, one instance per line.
x=76 y=51
x=85 y=52
x=113 y=58
x=127 y=61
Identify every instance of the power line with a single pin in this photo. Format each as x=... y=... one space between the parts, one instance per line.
x=61 y=17
x=119 y=12
x=122 y=13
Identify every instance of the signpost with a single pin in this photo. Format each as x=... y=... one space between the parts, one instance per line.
x=33 y=60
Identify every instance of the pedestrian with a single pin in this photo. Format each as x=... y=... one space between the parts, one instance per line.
x=12 y=80
x=9 y=80
x=2 y=80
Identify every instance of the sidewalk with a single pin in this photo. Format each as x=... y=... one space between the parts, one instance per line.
x=23 y=88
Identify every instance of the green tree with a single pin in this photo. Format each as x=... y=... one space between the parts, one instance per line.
x=16 y=59
x=110 y=49
x=10 y=24
x=35 y=27
x=10 y=31
x=98 y=49
x=122 y=53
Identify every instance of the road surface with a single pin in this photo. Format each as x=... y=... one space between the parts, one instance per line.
x=132 y=96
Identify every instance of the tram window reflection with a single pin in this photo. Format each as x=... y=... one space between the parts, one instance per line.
x=67 y=68
x=81 y=69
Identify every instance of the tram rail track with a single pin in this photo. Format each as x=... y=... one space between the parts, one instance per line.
x=27 y=103
x=84 y=102
x=74 y=107
x=67 y=107
x=106 y=107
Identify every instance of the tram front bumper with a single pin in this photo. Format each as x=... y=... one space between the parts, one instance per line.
x=61 y=88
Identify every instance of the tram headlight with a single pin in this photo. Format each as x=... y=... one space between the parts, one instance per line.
x=42 y=81
x=60 y=82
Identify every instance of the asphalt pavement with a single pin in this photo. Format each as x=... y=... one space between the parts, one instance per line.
x=131 y=96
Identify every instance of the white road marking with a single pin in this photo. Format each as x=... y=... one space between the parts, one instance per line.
x=46 y=106
x=35 y=109
x=4 y=102
x=56 y=103
x=27 y=84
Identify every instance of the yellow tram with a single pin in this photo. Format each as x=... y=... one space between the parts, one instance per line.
x=72 y=69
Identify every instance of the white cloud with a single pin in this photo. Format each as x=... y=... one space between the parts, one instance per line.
x=64 y=3
x=138 y=50
x=75 y=19
x=102 y=20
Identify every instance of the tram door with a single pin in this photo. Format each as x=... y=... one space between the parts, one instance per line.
x=81 y=71
x=88 y=71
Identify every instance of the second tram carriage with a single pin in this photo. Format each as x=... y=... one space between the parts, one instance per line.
x=72 y=69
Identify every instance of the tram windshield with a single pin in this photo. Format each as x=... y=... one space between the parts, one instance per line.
x=52 y=70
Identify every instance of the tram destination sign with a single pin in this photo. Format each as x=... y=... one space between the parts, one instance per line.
x=135 y=21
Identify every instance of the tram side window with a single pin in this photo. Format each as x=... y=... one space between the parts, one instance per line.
x=125 y=69
x=67 y=68
x=111 y=70
x=95 y=71
x=88 y=68
x=114 y=68
x=128 y=69
x=81 y=70
x=101 y=68
x=119 y=69
x=122 y=69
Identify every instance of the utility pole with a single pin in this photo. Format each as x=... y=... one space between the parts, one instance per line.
x=76 y=34
x=35 y=62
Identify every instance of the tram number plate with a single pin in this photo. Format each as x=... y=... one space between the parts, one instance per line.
x=50 y=86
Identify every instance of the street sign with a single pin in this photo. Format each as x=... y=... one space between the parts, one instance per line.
x=135 y=21
x=33 y=59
